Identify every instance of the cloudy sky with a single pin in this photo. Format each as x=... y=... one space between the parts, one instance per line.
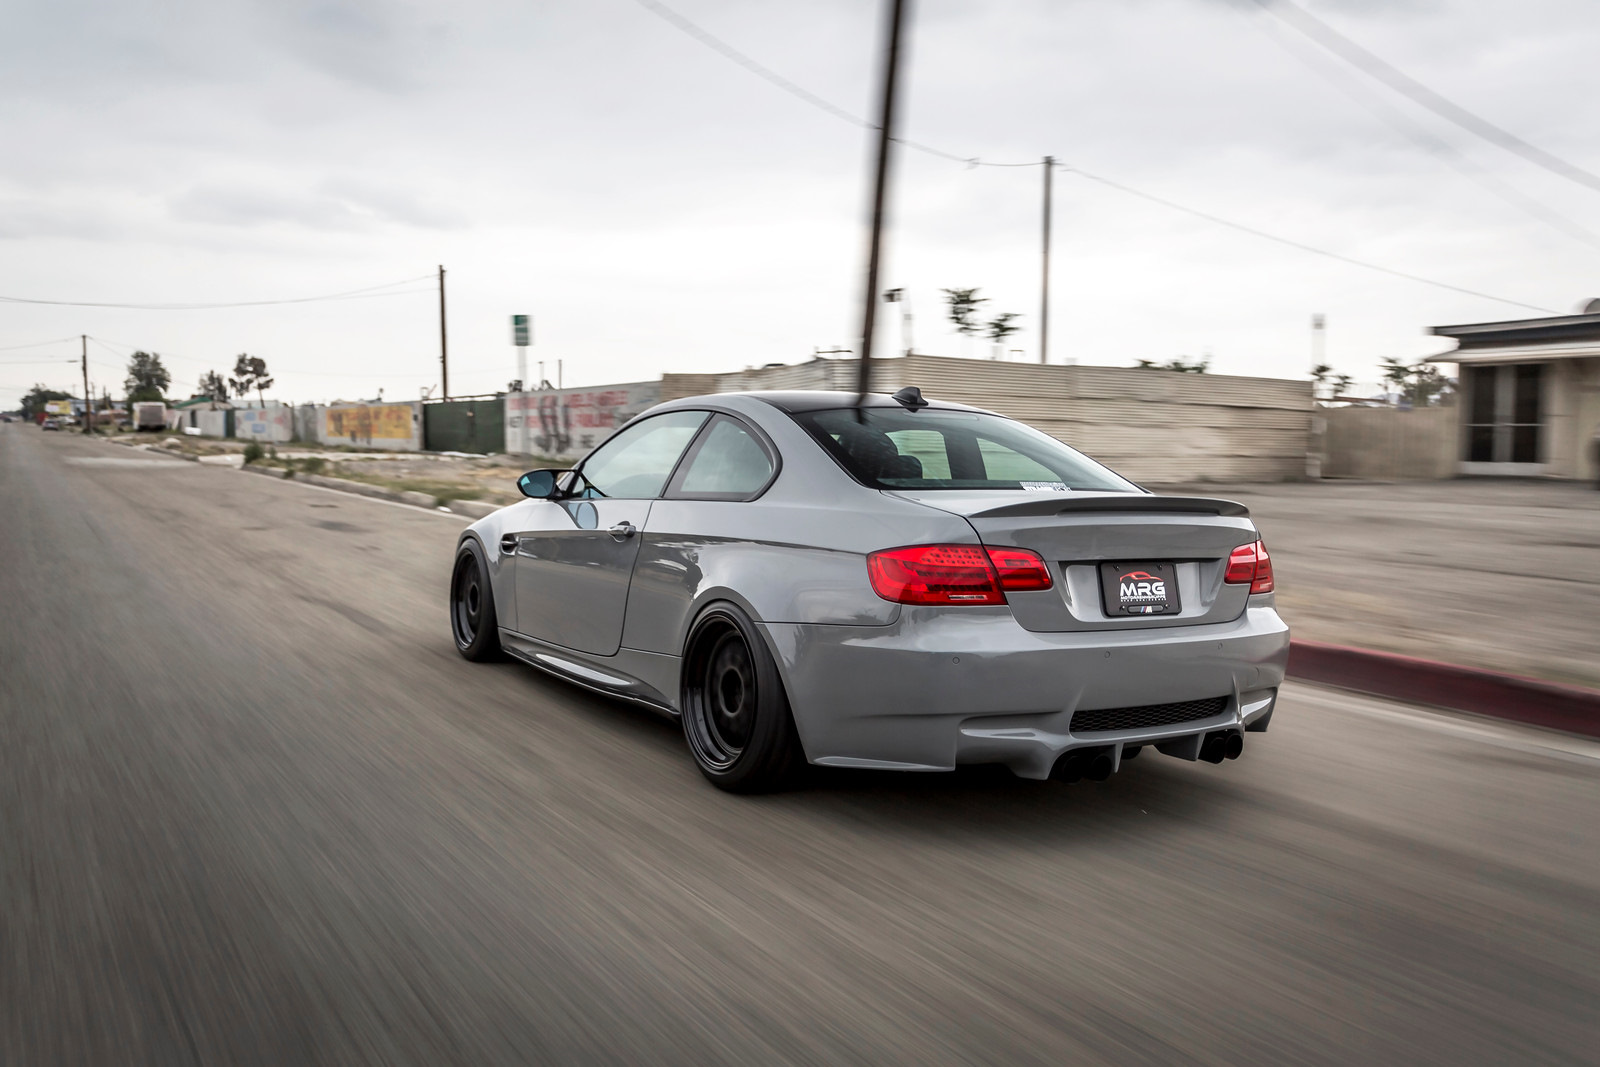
x=658 y=207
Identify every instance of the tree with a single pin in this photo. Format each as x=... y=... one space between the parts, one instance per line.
x=34 y=400
x=1179 y=364
x=250 y=372
x=1002 y=326
x=1326 y=385
x=964 y=305
x=147 y=378
x=213 y=385
x=1421 y=384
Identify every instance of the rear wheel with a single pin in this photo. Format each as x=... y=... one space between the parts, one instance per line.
x=472 y=615
x=736 y=716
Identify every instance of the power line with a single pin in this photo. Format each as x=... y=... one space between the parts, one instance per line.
x=38 y=344
x=728 y=51
x=1219 y=220
x=1434 y=145
x=1420 y=94
x=353 y=293
x=766 y=73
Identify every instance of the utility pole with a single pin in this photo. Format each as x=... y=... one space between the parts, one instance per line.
x=1319 y=339
x=1044 y=281
x=88 y=401
x=891 y=74
x=444 y=346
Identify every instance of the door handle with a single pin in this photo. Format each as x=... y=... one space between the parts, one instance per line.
x=508 y=544
x=623 y=530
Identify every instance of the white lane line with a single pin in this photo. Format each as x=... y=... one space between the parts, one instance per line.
x=372 y=499
x=1514 y=736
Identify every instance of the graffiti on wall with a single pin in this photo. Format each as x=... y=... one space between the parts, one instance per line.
x=364 y=422
x=269 y=424
x=566 y=423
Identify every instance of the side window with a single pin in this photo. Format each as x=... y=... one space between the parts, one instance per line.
x=635 y=464
x=728 y=462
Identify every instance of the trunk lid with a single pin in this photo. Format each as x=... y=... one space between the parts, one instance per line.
x=1077 y=532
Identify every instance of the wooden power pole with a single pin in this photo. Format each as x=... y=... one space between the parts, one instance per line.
x=891 y=72
x=1044 y=280
x=444 y=344
x=88 y=401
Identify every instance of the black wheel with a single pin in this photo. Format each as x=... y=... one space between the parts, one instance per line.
x=472 y=617
x=735 y=713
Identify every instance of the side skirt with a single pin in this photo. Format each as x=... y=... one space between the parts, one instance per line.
x=605 y=678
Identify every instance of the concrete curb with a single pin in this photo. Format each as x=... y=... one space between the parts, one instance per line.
x=1448 y=685
x=474 y=509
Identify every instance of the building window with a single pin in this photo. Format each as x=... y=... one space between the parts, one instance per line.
x=1505 y=413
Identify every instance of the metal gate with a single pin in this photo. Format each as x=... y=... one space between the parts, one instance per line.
x=477 y=424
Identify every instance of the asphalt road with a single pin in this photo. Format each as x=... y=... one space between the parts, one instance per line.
x=256 y=810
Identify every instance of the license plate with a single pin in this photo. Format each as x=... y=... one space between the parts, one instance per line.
x=1140 y=588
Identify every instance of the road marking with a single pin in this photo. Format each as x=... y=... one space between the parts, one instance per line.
x=1507 y=735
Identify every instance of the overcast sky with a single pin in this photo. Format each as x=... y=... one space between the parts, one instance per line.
x=658 y=208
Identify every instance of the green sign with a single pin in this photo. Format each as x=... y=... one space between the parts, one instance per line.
x=521 y=331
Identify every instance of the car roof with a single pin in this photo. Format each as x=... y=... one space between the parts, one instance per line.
x=798 y=400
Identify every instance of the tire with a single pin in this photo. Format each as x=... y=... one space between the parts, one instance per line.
x=736 y=715
x=473 y=622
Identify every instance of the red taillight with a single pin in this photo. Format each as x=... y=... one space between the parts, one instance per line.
x=1250 y=564
x=955 y=574
x=1020 y=571
x=1262 y=583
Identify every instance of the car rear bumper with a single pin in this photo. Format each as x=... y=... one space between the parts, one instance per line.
x=942 y=687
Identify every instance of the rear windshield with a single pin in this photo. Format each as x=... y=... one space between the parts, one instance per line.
x=890 y=448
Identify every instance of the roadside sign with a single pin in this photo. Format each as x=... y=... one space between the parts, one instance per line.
x=521 y=331
x=58 y=407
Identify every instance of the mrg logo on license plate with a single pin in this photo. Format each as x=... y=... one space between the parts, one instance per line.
x=1140 y=588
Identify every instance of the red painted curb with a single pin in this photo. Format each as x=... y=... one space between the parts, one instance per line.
x=1448 y=685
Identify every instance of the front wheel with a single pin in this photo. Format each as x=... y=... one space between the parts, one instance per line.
x=736 y=716
x=472 y=615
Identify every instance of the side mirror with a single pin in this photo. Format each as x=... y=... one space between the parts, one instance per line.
x=539 y=484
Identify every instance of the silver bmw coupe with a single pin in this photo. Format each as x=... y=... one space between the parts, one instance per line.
x=888 y=583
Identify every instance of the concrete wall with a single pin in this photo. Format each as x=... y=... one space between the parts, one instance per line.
x=1572 y=415
x=1390 y=444
x=564 y=424
x=1149 y=425
x=385 y=427
x=273 y=423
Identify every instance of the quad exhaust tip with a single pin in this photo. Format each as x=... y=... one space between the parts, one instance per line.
x=1095 y=764
x=1224 y=744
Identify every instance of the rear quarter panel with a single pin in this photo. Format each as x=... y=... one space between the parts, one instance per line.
x=795 y=555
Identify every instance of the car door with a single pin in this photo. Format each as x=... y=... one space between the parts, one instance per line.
x=575 y=555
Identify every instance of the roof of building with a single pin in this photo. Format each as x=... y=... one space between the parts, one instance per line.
x=1555 y=337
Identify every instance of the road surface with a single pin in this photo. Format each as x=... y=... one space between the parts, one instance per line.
x=256 y=810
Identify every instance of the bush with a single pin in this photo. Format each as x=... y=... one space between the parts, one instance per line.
x=253 y=452
x=312 y=464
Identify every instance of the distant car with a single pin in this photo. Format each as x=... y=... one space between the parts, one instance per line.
x=890 y=583
x=50 y=424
